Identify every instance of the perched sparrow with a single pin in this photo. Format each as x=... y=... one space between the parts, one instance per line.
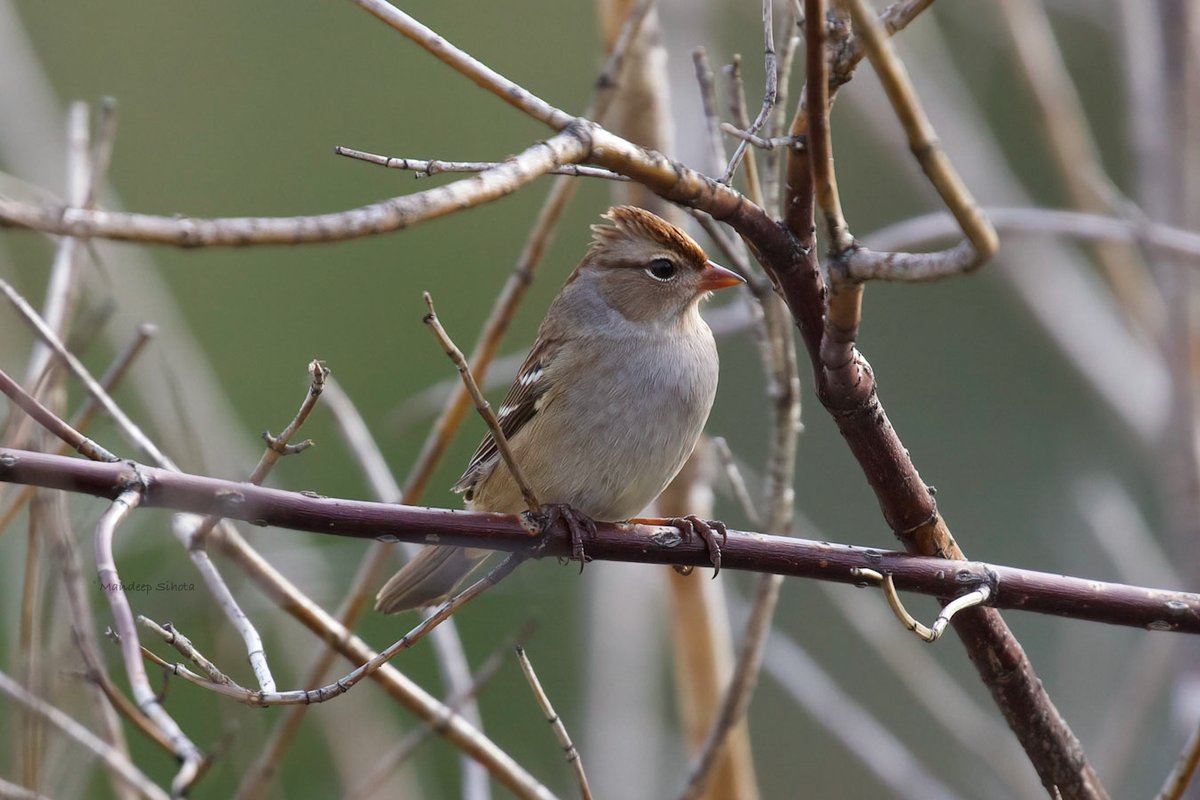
x=609 y=403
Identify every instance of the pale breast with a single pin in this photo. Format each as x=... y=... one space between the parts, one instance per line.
x=610 y=444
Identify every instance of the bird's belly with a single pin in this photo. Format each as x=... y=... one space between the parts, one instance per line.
x=611 y=458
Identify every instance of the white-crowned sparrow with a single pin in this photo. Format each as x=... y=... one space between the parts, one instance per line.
x=609 y=402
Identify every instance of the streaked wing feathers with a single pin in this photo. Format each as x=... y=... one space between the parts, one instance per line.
x=520 y=405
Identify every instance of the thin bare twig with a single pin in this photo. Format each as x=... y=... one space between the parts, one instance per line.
x=277 y=448
x=115 y=761
x=83 y=417
x=14 y=791
x=769 y=93
x=194 y=535
x=1185 y=768
x=737 y=110
x=481 y=74
x=707 y=83
x=171 y=635
x=126 y=425
x=428 y=168
x=63 y=288
x=386 y=764
x=348 y=681
x=733 y=248
x=737 y=483
x=445 y=639
x=556 y=724
x=481 y=404
x=48 y=419
x=1031 y=221
x=772 y=178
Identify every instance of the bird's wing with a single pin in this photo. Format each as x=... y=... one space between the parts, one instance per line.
x=525 y=398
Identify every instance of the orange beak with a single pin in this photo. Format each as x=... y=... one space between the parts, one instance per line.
x=714 y=276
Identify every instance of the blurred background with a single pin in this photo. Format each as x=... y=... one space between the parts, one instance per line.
x=1046 y=400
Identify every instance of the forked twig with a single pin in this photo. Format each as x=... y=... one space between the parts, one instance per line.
x=277 y=447
x=981 y=241
x=171 y=635
x=348 y=681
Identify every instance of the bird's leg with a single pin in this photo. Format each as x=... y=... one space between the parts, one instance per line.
x=691 y=527
x=579 y=525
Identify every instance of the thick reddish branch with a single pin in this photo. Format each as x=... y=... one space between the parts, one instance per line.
x=1012 y=588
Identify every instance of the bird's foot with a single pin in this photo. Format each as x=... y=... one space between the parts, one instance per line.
x=579 y=525
x=692 y=527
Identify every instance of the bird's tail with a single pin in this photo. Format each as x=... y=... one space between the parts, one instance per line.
x=428 y=579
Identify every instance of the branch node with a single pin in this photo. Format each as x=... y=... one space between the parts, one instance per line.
x=279 y=446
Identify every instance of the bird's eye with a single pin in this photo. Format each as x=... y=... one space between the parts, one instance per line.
x=661 y=269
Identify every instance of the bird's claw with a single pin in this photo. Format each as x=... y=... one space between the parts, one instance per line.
x=578 y=525
x=692 y=526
